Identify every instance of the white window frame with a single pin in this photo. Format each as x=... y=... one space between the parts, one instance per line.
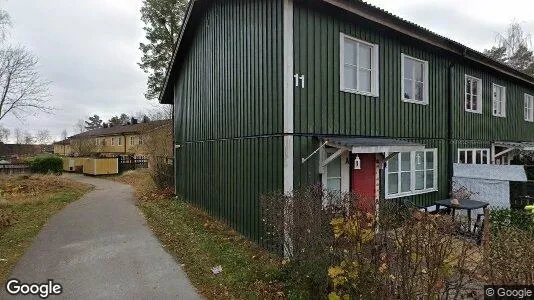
x=140 y=140
x=413 y=191
x=345 y=168
x=502 y=114
x=374 y=67
x=425 y=81
x=473 y=155
x=528 y=112
x=113 y=141
x=132 y=141
x=479 y=94
x=120 y=141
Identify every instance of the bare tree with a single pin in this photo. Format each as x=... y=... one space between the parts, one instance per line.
x=85 y=146
x=79 y=126
x=514 y=48
x=5 y=22
x=18 y=136
x=64 y=134
x=43 y=137
x=22 y=90
x=28 y=138
x=4 y=134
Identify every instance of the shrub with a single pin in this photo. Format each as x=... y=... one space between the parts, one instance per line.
x=300 y=225
x=506 y=218
x=509 y=259
x=162 y=173
x=47 y=164
x=422 y=258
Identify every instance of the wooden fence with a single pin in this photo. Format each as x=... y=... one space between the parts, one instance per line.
x=131 y=163
x=9 y=169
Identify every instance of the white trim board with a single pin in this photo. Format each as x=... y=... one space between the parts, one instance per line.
x=288 y=94
x=288 y=67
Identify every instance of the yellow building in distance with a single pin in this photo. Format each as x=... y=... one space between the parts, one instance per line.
x=111 y=140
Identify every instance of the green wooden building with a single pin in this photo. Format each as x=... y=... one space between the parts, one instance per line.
x=273 y=94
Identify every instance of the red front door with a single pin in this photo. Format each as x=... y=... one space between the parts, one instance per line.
x=364 y=181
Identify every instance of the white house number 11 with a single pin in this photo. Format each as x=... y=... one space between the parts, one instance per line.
x=299 y=79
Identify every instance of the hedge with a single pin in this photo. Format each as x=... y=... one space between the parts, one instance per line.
x=47 y=164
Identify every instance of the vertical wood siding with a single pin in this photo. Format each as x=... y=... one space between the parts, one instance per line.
x=485 y=126
x=321 y=108
x=228 y=106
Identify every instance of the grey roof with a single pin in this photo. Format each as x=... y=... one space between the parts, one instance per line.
x=493 y=172
x=122 y=129
x=373 y=145
x=373 y=13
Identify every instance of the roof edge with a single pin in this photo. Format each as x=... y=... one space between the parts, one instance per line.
x=373 y=14
x=413 y=30
x=164 y=94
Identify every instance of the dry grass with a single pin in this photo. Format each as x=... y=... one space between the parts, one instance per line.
x=27 y=203
x=31 y=188
x=200 y=242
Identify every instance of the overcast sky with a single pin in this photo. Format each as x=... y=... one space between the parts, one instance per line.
x=88 y=49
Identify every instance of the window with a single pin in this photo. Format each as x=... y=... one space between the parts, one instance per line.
x=132 y=140
x=411 y=173
x=359 y=66
x=499 y=100
x=140 y=140
x=414 y=80
x=473 y=94
x=529 y=108
x=113 y=142
x=333 y=175
x=120 y=141
x=473 y=156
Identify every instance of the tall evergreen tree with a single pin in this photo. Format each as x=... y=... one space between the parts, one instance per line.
x=163 y=19
x=93 y=123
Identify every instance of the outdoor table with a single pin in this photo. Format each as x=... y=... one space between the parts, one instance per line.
x=468 y=205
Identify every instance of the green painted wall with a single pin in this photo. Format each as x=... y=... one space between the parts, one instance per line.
x=485 y=126
x=307 y=173
x=228 y=106
x=323 y=108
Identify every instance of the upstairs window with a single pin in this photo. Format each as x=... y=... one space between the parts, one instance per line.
x=132 y=141
x=359 y=66
x=140 y=140
x=499 y=100
x=474 y=156
x=414 y=80
x=529 y=108
x=113 y=141
x=120 y=141
x=473 y=94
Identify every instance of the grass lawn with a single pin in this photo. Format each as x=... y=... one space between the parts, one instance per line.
x=26 y=204
x=201 y=243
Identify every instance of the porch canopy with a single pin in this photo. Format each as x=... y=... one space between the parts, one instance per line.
x=524 y=146
x=365 y=145
x=373 y=145
x=510 y=146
